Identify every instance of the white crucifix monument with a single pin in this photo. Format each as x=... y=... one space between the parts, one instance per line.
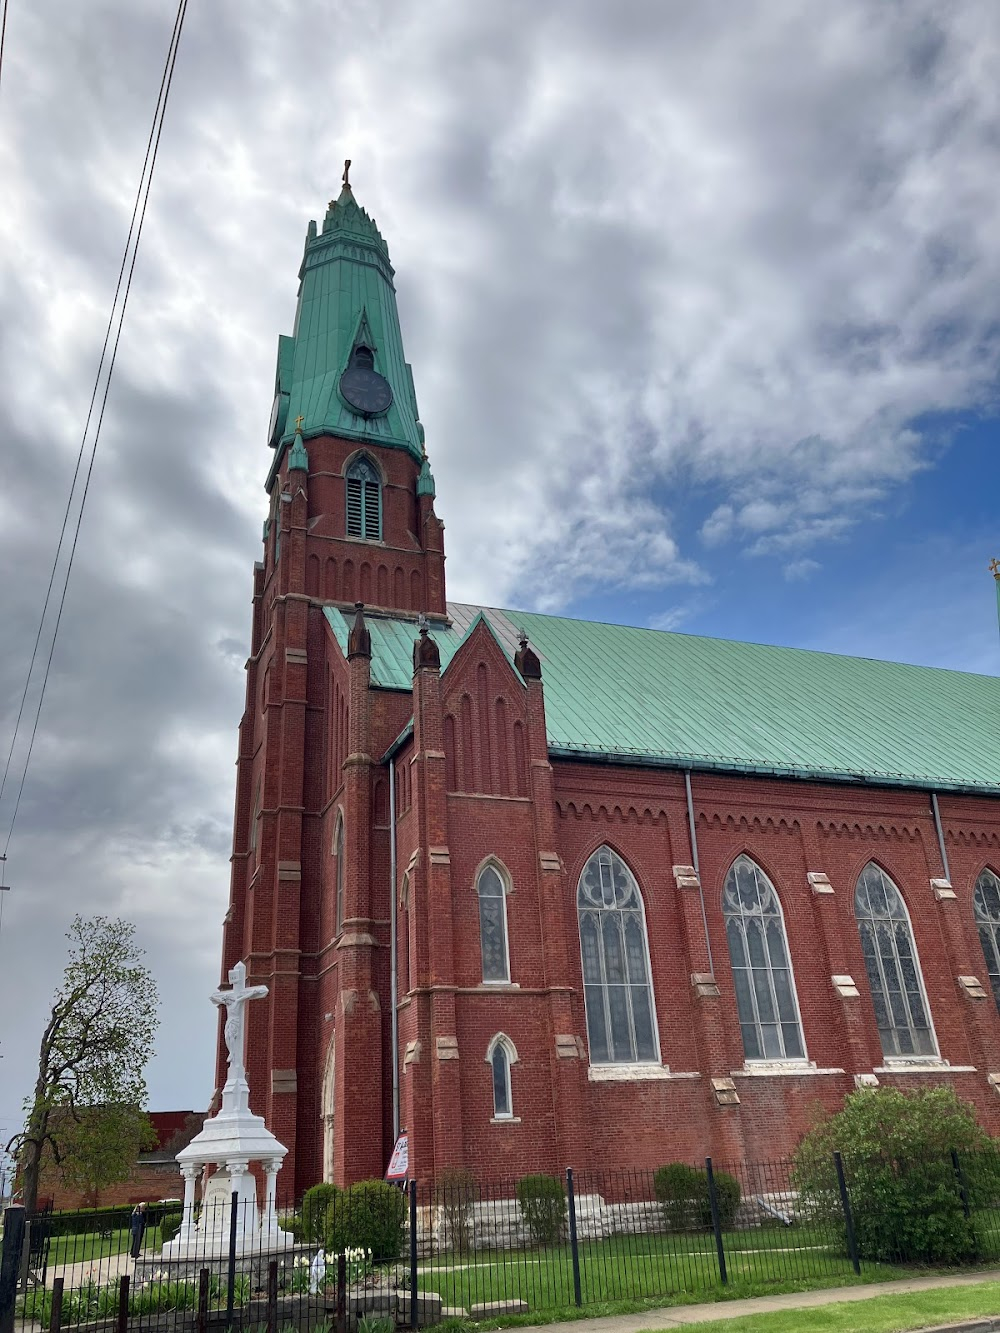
x=230 y=1141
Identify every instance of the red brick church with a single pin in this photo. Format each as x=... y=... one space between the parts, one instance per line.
x=539 y=892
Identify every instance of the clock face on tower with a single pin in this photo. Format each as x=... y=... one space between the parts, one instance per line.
x=366 y=390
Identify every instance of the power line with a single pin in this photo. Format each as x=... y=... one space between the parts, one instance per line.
x=3 y=33
x=129 y=258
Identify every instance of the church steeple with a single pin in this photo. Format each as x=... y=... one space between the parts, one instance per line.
x=343 y=370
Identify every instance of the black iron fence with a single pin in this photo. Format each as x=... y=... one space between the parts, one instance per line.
x=467 y=1250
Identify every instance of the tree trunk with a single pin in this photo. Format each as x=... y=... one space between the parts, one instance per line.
x=31 y=1164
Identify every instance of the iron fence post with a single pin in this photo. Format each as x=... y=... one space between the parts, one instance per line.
x=574 y=1248
x=413 y=1254
x=340 y=1320
x=713 y=1200
x=272 y=1296
x=203 y=1281
x=960 y=1177
x=845 y=1203
x=55 y=1314
x=10 y=1265
x=231 y=1266
x=123 y=1286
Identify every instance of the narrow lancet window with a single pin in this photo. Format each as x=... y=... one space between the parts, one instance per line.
x=338 y=851
x=618 y=993
x=762 y=974
x=500 y=1056
x=493 y=925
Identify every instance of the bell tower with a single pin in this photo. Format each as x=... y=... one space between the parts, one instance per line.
x=350 y=520
x=345 y=416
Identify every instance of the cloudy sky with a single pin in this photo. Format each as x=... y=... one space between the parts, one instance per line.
x=702 y=305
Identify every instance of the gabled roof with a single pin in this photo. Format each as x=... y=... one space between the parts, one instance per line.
x=656 y=697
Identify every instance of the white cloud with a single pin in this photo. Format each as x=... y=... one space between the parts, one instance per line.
x=637 y=247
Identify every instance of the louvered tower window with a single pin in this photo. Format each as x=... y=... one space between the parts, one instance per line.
x=897 y=988
x=364 y=501
x=986 y=902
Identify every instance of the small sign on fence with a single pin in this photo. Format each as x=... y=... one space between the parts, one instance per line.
x=399 y=1162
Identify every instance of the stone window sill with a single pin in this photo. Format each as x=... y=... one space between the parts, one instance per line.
x=781 y=1069
x=927 y=1065
x=499 y=985
x=505 y=1119
x=632 y=1073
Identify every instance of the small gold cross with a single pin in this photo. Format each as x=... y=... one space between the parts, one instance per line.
x=995 y=568
x=298 y=423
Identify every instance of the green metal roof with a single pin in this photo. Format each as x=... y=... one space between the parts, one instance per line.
x=656 y=697
x=345 y=279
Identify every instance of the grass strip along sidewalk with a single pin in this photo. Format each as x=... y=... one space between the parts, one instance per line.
x=898 y=1313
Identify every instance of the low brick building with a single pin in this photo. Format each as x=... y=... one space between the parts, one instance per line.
x=155 y=1175
x=540 y=892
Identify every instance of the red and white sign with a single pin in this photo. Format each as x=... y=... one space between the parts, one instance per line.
x=399 y=1162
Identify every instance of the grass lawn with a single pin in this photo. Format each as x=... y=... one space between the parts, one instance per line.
x=880 y=1314
x=90 y=1245
x=642 y=1268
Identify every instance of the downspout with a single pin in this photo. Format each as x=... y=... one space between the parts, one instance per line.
x=697 y=867
x=394 y=1021
x=940 y=835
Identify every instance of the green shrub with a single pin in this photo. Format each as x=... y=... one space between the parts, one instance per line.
x=543 y=1206
x=896 y=1147
x=170 y=1224
x=373 y=1323
x=315 y=1206
x=685 y=1201
x=368 y=1216
x=85 y=1221
x=456 y=1194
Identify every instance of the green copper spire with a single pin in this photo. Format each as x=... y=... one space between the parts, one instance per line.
x=346 y=298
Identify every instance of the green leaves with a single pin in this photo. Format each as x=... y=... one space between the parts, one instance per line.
x=85 y=1113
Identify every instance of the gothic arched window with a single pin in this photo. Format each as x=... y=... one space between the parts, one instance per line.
x=618 y=993
x=493 y=924
x=762 y=973
x=338 y=852
x=986 y=906
x=901 y=1011
x=364 y=501
x=500 y=1055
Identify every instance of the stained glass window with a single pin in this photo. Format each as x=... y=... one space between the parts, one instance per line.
x=986 y=905
x=493 y=925
x=762 y=974
x=893 y=969
x=618 y=993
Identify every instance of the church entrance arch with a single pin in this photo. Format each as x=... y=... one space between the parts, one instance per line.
x=327 y=1113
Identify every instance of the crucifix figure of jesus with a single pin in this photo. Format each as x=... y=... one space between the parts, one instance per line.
x=235 y=1001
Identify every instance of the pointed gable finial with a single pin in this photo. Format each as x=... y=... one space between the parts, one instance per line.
x=526 y=659
x=359 y=641
x=426 y=655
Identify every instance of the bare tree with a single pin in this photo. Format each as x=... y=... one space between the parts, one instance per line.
x=85 y=1111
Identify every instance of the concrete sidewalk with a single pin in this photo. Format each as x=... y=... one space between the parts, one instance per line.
x=680 y=1316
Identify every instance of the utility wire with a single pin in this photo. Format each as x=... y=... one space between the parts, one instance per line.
x=129 y=258
x=153 y=138
x=3 y=33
